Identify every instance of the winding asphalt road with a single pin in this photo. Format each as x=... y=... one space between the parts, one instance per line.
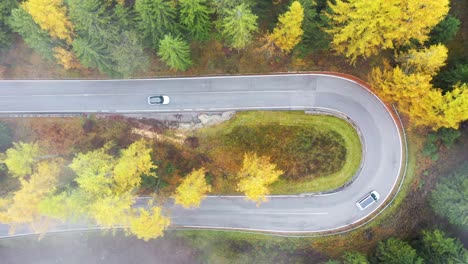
x=292 y=214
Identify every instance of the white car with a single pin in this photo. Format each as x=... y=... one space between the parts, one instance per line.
x=158 y=100
x=367 y=200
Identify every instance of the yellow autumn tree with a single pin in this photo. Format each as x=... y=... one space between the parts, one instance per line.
x=94 y=172
x=134 y=161
x=23 y=208
x=364 y=28
x=112 y=211
x=66 y=58
x=426 y=61
x=409 y=86
x=288 y=33
x=51 y=15
x=193 y=189
x=21 y=158
x=149 y=224
x=255 y=176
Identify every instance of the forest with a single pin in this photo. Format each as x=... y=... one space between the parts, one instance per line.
x=414 y=54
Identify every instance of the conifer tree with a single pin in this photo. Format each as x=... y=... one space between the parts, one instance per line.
x=364 y=28
x=6 y=6
x=175 y=52
x=288 y=32
x=237 y=26
x=36 y=38
x=157 y=18
x=195 y=17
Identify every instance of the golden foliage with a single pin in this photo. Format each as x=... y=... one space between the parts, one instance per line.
x=364 y=28
x=66 y=58
x=149 y=224
x=21 y=158
x=427 y=61
x=24 y=206
x=193 y=189
x=288 y=32
x=255 y=176
x=51 y=15
x=134 y=161
x=412 y=90
x=112 y=211
x=94 y=172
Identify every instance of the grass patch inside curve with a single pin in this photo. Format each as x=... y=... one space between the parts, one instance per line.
x=317 y=152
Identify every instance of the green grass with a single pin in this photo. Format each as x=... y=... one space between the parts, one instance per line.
x=227 y=142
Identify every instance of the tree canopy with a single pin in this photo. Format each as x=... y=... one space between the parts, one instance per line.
x=5 y=136
x=395 y=251
x=255 y=176
x=175 y=52
x=288 y=32
x=36 y=38
x=364 y=28
x=51 y=15
x=149 y=224
x=237 y=26
x=192 y=189
x=157 y=18
x=440 y=249
x=409 y=85
x=354 y=258
x=21 y=158
x=450 y=197
x=195 y=17
x=6 y=6
x=23 y=208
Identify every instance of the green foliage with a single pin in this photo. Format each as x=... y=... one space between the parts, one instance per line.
x=446 y=136
x=92 y=21
x=39 y=40
x=195 y=17
x=314 y=38
x=237 y=26
x=437 y=248
x=21 y=158
x=128 y=55
x=448 y=78
x=450 y=197
x=156 y=19
x=93 y=55
x=354 y=258
x=175 y=52
x=5 y=136
x=106 y=40
x=6 y=6
x=126 y=17
x=445 y=31
x=222 y=6
x=395 y=251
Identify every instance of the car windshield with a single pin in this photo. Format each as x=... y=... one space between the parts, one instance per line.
x=156 y=99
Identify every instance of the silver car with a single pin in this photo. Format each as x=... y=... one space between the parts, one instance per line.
x=367 y=200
